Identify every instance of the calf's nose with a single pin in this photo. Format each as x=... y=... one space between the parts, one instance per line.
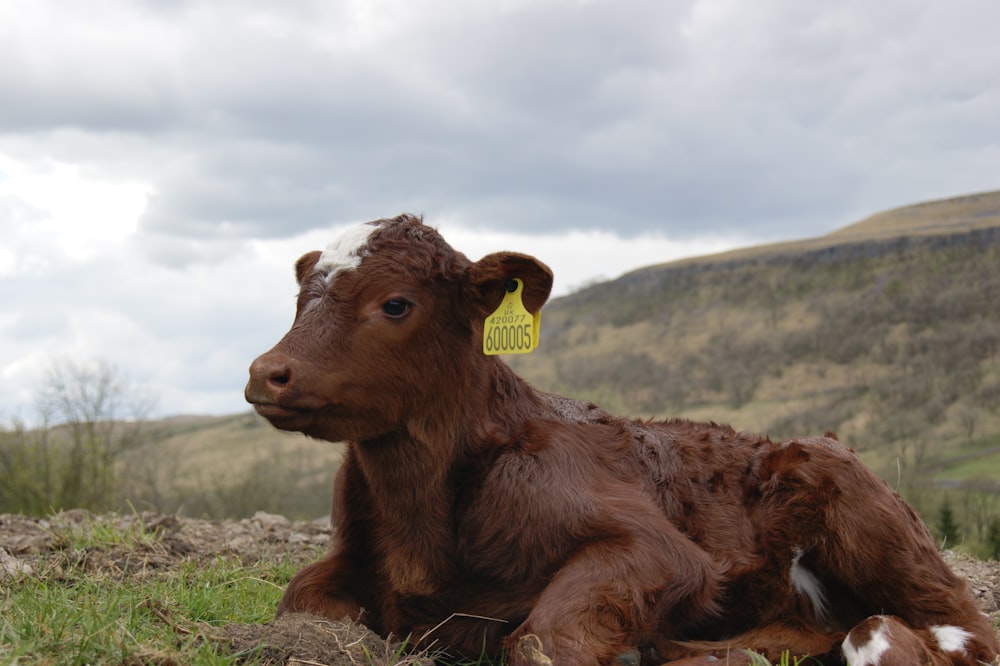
x=269 y=377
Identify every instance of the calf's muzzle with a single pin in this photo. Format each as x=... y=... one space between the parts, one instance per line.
x=270 y=378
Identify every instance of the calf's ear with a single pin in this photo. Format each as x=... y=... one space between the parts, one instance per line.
x=489 y=277
x=305 y=264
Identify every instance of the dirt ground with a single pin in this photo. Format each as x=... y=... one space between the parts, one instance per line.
x=28 y=545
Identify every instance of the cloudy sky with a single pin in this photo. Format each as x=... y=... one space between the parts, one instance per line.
x=164 y=162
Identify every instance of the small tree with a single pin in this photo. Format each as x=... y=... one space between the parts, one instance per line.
x=948 y=528
x=24 y=470
x=89 y=417
x=980 y=497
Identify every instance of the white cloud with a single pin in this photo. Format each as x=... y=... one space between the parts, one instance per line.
x=54 y=212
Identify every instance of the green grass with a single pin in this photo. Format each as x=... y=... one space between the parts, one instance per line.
x=107 y=590
x=985 y=467
x=97 y=532
x=978 y=459
x=65 y=612
x=786 y=660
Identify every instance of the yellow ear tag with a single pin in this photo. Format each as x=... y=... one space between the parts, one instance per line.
x=511 y=329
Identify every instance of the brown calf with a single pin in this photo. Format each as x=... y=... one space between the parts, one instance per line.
x=475 y=512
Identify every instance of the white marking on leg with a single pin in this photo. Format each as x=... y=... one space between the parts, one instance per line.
x=869 y=653
x=951 y=638
x=805 y=582
x=345 y=252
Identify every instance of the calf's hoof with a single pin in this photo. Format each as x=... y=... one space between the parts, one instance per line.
x=530 y=647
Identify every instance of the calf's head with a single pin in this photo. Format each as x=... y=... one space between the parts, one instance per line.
x=387 y=331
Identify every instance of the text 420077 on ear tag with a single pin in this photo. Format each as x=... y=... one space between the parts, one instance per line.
x=511 y=329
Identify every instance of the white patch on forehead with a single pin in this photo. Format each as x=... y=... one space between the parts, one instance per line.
x=951 y=638
x=869 y=653
x=345 y=252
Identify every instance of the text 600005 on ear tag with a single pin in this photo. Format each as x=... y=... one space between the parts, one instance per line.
x=511 y=329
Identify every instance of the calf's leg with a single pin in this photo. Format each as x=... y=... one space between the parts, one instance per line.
x=325 y=588
x=887 y=559
x=613 y=596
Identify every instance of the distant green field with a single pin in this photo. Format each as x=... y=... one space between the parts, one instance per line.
x=979 y=460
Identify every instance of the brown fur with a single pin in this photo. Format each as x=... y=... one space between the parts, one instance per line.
x=472 y=509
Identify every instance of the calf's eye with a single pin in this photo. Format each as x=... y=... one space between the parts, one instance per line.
x=395 y=308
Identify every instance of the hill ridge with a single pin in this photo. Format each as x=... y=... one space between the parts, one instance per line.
x=969 y=212
x=953 y=216
x=653 y=276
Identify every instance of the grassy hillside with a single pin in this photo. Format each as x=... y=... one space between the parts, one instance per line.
x=230 y=466
x=887 y=333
